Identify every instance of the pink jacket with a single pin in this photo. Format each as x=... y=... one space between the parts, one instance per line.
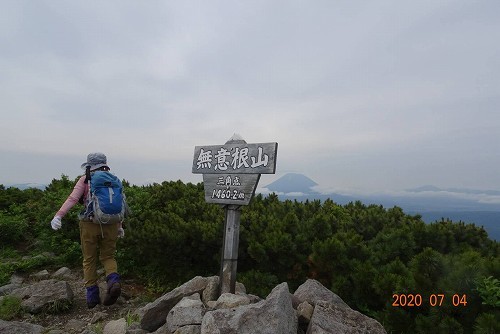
x=80 y=189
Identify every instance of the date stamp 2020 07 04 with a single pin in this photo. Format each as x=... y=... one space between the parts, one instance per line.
x=434 y=300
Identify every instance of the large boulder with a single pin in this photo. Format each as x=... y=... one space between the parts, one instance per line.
x=16 y=327
x=44 y=294
x=273 y=315
x=332 y=319
x=312 y=291
x=189 y=311
x=154 y=314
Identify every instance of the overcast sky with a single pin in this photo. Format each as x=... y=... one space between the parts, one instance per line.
x=367 y=95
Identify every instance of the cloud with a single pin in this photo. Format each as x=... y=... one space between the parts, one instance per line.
x=375 y=95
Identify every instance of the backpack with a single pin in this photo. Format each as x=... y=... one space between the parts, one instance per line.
x=106 y=202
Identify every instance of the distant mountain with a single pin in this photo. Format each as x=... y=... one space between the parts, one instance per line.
x=293 y=183
x=479 y=207
x=424 y=188
x=23 y=186
x=421 y=199
x=430 y=188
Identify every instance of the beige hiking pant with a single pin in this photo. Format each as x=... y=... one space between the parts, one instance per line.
x=96 y=242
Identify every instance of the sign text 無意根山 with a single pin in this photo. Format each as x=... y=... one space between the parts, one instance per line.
x=241 y=158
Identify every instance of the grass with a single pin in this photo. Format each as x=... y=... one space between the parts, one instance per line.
x=9 y=264
x=10 y=307
x=131 y=318
x=59 y=306
x=98 y=328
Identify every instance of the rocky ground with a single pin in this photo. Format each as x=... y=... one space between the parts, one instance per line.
x=194 y=307
x=79 y=316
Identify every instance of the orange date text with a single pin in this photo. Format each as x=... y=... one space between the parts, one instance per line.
x=434 y=300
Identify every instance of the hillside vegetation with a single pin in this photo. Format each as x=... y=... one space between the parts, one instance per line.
x=411 y=276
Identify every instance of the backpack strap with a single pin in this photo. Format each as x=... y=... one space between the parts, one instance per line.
x=87 y=179
x=87 y=175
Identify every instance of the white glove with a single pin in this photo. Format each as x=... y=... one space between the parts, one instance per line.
x=56 y=223
x=121 y=232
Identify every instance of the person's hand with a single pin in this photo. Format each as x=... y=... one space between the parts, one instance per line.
x=121 y=232
x=56 y=223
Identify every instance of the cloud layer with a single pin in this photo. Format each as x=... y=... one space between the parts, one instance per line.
x=384 y=95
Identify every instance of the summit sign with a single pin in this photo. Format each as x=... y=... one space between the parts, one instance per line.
x=235 y=158
x=230 y=175
x=232 y=171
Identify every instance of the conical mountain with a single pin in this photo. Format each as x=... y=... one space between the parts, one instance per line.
x=292 y=183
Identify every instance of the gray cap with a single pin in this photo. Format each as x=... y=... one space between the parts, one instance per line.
x=95 y=160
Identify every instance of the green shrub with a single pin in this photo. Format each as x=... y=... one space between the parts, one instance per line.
x=6 y=271
x=487 y=323
x=34 y=262
x=489 y=290
x=13 y=229
x=258 y=283
x=30 y=263
x=10 y=307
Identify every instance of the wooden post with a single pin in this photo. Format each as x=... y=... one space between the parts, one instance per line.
x=229 y=263
x=230 y=175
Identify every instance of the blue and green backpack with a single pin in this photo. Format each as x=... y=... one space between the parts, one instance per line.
x=106 y=202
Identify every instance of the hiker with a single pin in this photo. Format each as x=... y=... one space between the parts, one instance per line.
x=98 y=236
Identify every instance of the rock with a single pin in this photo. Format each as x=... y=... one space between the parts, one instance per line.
x=16 y=327
x=98 y=316
x=295 y=301
x=75 y=326
x=190 y=329
x=163 y=330
x=229 y=300
x=330 y=318
x=211 y=291
x=116 y=327
x=41 y=275
x=305 y=312
x=255 y=299
x=62 y=273
x=312 y=291
x=273 y=315
x=154 y=314
x=189 y=311
x=240 y=288
x=136 y=331
x=16 y=279
x=7 y=289
x=211 y=304
x=44 y=294
x=88 y=331
x=48 y=255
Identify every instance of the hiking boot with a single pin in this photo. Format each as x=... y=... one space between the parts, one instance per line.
x=114 y=289
x=93 y=296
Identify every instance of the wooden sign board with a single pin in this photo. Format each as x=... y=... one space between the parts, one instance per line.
x=235 y=189
x=241 y=158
